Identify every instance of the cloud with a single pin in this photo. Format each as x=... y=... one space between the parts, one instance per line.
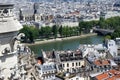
x=13 y=1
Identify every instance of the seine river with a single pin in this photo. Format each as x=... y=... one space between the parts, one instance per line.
x=67 y=44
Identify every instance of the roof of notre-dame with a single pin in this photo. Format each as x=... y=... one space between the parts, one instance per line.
x=8 y=23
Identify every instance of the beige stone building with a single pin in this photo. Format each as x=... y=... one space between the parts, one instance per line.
x=70 y=61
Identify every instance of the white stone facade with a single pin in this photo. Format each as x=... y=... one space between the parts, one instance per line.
x=47 y=71
x=70 y=66
x=9 y=27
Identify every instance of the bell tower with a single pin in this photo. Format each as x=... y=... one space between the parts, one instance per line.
x=9 y=28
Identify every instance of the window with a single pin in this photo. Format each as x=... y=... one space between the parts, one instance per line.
x=76 y=64
x=10 y=10
x=5 y=11
x=48 y=71
x=79 y=63
x=39 y=68
x=63 y=65
x=77 y=79
x=67 y=70
x=52 y=71
x=67 y=65
x=72 y=64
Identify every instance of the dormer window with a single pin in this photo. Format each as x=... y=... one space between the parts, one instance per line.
x=5 y=11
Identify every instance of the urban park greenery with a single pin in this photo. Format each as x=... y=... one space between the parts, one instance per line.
x=84 y=27
x=30 y=32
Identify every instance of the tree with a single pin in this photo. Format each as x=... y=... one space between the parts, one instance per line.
x=107 y=37
x=64 y=31
x=55 y=31
x=34 y=32
x=61 y=31
x=102 y=22
x=81 y=26
x=26 y=31
x=85 y=26
x=116 y=33
x=31 y=38
x=30 y=32
x=47 y=31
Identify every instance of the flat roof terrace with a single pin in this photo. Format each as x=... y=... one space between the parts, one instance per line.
x=71 y=56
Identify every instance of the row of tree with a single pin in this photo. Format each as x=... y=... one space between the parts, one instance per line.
x=66 y=31
x=55 y=31
x=112 y=23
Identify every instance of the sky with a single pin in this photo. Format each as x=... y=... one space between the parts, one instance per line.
x=16 y=1
x=11 y=1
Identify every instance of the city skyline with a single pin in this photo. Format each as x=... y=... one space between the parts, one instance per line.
x=13 y=1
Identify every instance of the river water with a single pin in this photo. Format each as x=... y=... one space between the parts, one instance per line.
x=67 y=44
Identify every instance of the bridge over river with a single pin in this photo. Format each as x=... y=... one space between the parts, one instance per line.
x=103 y=31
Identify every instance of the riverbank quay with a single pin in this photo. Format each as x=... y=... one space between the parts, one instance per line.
x=60 y=39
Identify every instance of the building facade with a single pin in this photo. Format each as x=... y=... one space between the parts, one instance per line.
x=47 y=71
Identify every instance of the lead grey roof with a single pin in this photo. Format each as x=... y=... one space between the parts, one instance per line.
x=6 y=6
x=28 y=12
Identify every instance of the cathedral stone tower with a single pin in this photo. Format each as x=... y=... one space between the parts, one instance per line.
x=9 y=27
